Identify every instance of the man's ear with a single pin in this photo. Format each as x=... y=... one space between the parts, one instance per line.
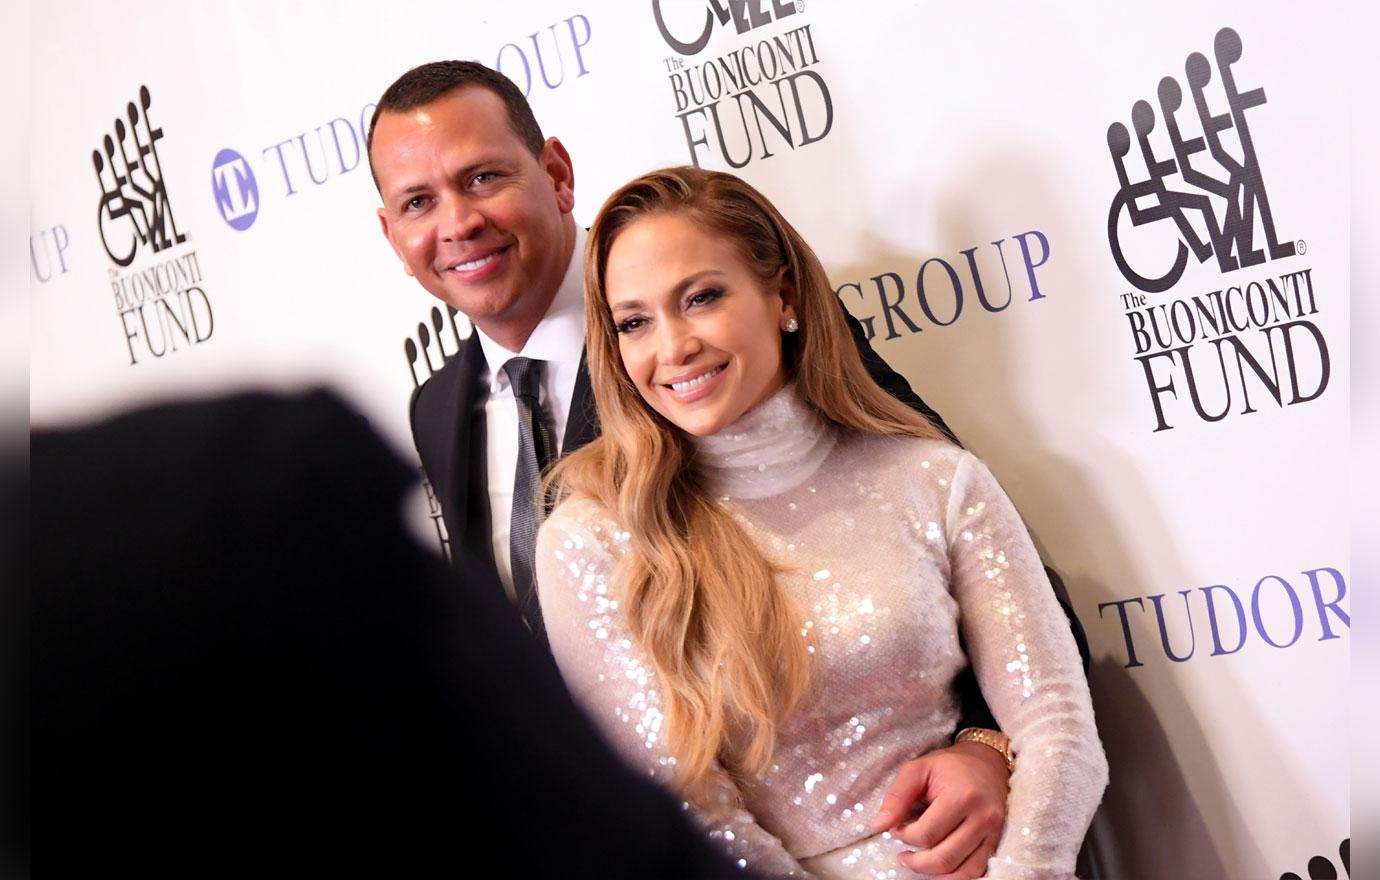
x=555 y=161
x=388 y=234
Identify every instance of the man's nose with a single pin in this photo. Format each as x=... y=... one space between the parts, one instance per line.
x=460 y=219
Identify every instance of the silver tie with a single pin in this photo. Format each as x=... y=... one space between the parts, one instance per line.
x=536 y=449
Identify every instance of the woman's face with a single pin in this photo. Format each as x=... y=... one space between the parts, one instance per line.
x=698 y=330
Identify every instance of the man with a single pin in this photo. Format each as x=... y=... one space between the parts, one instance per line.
x=477 y=205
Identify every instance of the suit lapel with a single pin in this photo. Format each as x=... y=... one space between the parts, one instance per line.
x=582 y=425
x=468 y=467
x=442 y=424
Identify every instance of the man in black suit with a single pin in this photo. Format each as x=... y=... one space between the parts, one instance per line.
x=477 y=205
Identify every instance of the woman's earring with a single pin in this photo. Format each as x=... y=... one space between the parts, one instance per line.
x=792 y=325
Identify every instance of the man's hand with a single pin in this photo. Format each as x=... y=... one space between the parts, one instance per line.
x=962 y=790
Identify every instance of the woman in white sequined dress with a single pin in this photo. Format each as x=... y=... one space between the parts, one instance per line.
x=757 y=578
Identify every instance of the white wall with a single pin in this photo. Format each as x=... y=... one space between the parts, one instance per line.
x=949 y=129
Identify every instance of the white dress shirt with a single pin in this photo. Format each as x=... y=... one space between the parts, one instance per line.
x=559 y=340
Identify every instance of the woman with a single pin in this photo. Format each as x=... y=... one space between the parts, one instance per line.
x=757 y=577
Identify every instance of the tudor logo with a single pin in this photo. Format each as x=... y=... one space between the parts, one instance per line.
x=235 y=189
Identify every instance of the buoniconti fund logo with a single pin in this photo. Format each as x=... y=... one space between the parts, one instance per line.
x=754 y=101
x=1192 y=184
x=156 y=279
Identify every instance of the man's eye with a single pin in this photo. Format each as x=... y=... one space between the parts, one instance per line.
x=630 y=325
x=416 y=203
x=483 y=177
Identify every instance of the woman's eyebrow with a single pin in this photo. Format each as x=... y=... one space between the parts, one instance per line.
x=690 y=280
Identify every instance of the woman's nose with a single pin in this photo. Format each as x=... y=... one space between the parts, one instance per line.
x=677 y=342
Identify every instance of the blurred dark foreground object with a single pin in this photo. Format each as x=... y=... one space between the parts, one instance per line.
x=244 y=666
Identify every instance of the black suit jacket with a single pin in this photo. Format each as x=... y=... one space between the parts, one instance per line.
x=447 y=426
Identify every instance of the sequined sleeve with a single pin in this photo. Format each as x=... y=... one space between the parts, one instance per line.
x=576 y=554
x=1026 y=661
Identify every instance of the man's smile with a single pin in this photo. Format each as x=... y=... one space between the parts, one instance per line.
x=473 y=266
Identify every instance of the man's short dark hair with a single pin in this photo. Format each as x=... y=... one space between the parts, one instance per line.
x=424 y=84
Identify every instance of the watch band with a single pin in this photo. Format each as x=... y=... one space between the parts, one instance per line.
x=993 y=739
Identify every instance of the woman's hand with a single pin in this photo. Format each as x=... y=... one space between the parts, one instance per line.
x=961 y=791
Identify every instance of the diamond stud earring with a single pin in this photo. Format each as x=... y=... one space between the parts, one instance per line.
x=792 y=325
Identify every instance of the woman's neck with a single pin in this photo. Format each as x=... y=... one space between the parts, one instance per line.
x=774 y=447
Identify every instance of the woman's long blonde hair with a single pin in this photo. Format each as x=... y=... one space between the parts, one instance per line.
x=701 y=600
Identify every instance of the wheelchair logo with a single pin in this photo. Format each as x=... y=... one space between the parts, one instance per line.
x=1225 y=190
x=134 y=210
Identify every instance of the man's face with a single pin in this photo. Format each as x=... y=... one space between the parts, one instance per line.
x=478 y=220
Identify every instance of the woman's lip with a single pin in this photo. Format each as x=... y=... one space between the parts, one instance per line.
x=703 y=389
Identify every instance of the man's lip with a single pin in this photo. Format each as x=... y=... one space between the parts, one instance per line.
x=453 y=265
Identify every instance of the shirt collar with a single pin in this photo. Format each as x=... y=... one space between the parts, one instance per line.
x=560 y=337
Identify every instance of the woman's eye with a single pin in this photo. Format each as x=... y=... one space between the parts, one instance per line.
x=630 y=325
x=705 y=296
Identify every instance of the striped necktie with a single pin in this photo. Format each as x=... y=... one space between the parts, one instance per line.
x=536 y=449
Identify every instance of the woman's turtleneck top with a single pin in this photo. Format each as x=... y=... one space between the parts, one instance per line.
x=891 y=547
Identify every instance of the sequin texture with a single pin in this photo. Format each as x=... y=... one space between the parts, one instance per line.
x=889 y=547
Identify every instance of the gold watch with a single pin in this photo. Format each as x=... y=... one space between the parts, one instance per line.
x=993 y=739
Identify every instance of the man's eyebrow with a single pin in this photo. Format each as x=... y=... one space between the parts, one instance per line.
x=463 y=173
x=690 y=280
x=409 y=190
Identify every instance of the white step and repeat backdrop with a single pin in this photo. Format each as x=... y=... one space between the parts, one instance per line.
x=1109 y=244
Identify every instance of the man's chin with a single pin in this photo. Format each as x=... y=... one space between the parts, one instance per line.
x=505 y=317
x=481 y=305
